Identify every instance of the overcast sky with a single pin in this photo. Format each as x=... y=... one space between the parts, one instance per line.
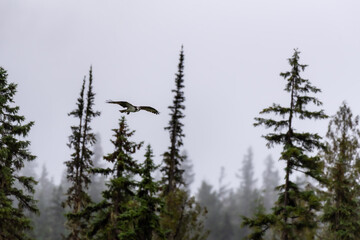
x=234 y=52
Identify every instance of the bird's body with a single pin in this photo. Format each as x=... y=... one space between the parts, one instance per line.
x=131 y=108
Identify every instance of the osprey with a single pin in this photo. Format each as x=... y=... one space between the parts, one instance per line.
x=131 y=108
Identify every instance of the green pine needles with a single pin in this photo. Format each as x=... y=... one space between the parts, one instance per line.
x=14 y=153
x=150 y=203
x=130 y=209
x=172 y=158
x=78 y=167
x=294 y=212
x=114 y=220
x=341 y=210
x=182 y=217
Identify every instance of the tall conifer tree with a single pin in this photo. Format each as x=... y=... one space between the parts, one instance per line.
x=295 y=210
x=115 y=218
x=181 y=215
x=78 y=167
x=14 y=153
x=341 y=210
x=172 y=158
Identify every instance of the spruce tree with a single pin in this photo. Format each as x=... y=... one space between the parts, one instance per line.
x=14 y=153
x=78 y=167
x=341 y=210
x=148 y=222
x=295 y=209
x=172 y=158
x=181 y=214
x=114 y=217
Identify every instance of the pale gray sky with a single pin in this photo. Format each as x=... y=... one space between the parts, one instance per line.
x=234 y=52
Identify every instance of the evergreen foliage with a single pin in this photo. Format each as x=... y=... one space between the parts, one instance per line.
x=295 y=209
x=172 y=158
x=78 y=167
x=148 y=222
x=114 y=217
x=182 y=216
x=341 y=210
x=14 y=153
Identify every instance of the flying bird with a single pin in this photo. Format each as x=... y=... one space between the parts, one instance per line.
x=131 y=108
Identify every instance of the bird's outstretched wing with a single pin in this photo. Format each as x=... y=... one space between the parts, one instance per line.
x=149 y=109
x=121 y=103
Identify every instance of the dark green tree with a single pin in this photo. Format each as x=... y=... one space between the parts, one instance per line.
x=181 y=214
x=295 y=209
x=173 y=174
x=78 y=167
x=14 y=153
x=341 y=210
x=115 y=216
x=148 y=220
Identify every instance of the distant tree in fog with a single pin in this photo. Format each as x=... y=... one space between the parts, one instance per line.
x=56 y=214
x=43 y=195
x=208 y=198
x=187 y=167
x=223 y=188
x=247 y=193
x=97 y=184
x=270 y=182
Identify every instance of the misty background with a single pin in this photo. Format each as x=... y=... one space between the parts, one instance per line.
x=234 y=52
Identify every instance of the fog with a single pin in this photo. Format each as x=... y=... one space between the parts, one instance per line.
x=234 y=52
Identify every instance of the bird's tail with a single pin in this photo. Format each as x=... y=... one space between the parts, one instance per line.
x=109 y=101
